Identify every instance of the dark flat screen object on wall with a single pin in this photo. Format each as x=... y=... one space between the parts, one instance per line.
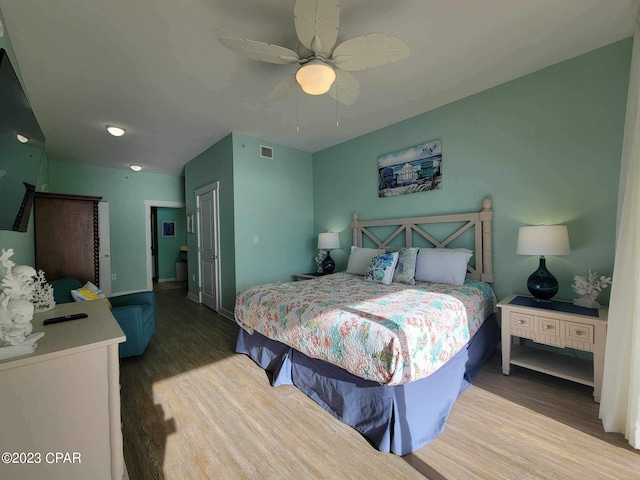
x=19 y=160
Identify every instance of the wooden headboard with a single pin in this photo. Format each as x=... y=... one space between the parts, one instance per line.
x=482 y=222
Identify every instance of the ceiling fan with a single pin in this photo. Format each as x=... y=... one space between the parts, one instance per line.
x=321 y=64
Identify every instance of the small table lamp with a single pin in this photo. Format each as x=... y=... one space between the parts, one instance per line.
x=543 y=240
x=328 y=241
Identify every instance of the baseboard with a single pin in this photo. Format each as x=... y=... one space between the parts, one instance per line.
x=173 y=279
x=193 y=297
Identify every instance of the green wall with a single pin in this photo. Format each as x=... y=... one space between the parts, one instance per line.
x=213 y=165
x=169 y=247
x=270 y=199
x=22 y=243
x=125 y=191
x=545 y=148
x=273 y=201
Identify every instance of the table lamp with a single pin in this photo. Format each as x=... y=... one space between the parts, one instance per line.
x=328 y=241
x=543 y=240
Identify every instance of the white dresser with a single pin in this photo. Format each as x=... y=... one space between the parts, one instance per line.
x=60 y=406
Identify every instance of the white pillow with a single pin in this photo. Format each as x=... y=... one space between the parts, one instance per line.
x=382 y=268
x=442 y=265
x=360 y=258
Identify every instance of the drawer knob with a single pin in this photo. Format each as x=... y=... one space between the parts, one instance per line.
x=520 y=322
x=579 y=333
x=548 y=327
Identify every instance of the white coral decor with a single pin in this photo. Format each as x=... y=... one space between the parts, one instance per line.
x=42 y=293
x=322 y=254
x=589 y=288
x=16 y=308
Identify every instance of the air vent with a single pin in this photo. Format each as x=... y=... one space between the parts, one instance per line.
x=266 y=152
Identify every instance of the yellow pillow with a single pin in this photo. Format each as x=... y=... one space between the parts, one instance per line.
x=87 y=293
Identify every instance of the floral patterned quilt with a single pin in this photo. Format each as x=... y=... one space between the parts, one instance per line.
x=390 y=334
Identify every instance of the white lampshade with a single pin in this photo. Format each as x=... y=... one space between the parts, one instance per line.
x=543 y=240
x=315 y=77
x=328 y=241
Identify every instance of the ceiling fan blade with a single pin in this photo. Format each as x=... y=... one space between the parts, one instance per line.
x=346 y=88
x=317 y=24
x=260 y=50
x=369 y=51
x=284 y=88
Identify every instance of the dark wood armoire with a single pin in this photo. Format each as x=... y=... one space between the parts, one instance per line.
x=66 y=236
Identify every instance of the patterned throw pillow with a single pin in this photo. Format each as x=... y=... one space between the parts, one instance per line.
x=381 y=268
x=89 y=292
x=406 y=267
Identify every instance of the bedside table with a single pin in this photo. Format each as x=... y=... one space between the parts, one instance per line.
x=309 y=276
x=558 y=324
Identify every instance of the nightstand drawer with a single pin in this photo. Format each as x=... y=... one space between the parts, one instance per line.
x=549 y=332
x=548 y=326
x=579 y=332
x=520 y=321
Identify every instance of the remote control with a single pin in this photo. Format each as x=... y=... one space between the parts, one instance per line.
x=66 y=318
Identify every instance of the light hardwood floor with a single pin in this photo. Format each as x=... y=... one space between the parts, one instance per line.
x=192 y=408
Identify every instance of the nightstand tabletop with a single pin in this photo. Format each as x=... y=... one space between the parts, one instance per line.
x=309 y=276
x=553 y=307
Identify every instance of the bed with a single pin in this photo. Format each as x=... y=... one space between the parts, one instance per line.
x=388 y=360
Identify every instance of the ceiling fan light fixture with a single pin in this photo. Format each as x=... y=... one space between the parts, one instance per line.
x=323 y=63
x=115 y=130
x=315 y=77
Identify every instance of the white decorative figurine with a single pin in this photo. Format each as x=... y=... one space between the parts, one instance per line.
x=16 y=308
x=589 y=289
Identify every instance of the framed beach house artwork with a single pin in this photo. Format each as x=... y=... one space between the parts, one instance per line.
x=415 y=169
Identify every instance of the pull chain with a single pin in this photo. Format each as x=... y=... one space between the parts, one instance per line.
x=337 y=122
x=297 y=119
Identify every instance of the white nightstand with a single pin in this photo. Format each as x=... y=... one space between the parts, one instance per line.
x=559 y=324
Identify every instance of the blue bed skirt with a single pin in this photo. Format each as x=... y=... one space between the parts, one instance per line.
x=397 y=419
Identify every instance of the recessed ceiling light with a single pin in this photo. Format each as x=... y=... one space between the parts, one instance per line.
x=115 y=130
x=136 y=168
x=22 y=138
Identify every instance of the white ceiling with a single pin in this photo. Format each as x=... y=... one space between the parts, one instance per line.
x=157 y=68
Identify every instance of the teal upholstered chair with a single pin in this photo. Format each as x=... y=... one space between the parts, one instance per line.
x=135 y=313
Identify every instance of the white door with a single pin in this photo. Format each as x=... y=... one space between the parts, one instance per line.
x=104 y=251
x=207 y=203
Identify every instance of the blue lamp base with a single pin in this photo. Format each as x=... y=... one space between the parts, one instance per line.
x=328 y=265
x=542 y=284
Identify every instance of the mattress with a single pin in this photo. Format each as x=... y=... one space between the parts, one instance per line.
x=389 y=334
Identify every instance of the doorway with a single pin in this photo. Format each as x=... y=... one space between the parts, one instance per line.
x=148 y=205
x=207 y=201
x=154 y=244
x=104 y=248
